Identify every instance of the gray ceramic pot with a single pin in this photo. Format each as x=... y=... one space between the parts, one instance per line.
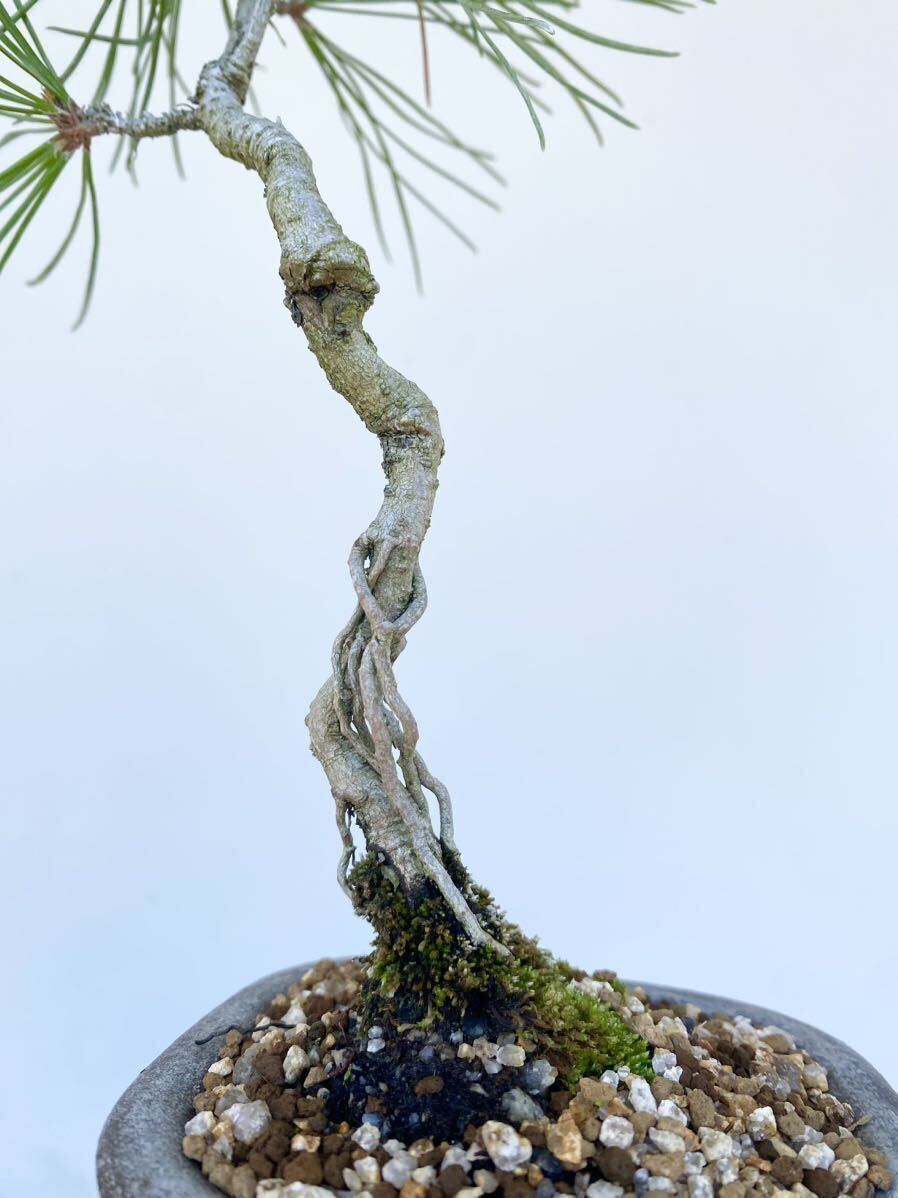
x=139 y=1154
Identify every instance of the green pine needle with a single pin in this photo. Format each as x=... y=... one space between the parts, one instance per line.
x=530 y=42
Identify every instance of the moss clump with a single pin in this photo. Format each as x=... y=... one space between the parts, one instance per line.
x=423 y=971
x=582 y=1035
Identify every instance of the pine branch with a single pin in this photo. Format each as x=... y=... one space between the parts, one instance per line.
x=530 y=42
x=36 y=96
x=77 y=127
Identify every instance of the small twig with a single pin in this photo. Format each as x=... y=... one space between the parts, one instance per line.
x=245 y=1031
x=76 y=127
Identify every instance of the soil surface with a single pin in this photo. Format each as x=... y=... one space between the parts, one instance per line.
x=320 y=1105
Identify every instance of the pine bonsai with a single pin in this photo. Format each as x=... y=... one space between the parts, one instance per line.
x=442 y=950
x=459 y=1058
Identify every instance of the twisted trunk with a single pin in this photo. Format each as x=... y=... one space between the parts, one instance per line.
x=362 y=731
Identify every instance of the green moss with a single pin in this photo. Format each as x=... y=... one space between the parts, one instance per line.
x=591 y=1036
x=424 y=971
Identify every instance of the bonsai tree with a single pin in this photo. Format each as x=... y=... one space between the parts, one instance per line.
x=441 y=946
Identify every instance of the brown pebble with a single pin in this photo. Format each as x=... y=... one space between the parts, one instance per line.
x=452 y=1180
x=243 y=1183
x=535 y=1132
x=596 y=1092
x=787 y=1169
x=333 y=1169
x=194 y=1147
x=739 y=1104
x=516 y=1187
x=847 y=1148
x=315 y=1005
x=665 y=1164
x=777 y=1042
x=749 y=1086
x=791 y=1125
x=305 y=1167
x=668 y=1123
x=559 y=1101
x=703 y=1083
x=617 y=1165
x=642 y=1121
x=861 y=1189
x=270 y=1066
x=580 y=1109
x=221 y=1174
x=260 y=1164
x=277 y=1140
x=589 y=1129
x=382 y=1189
x=284 y=1106
x=429 y=1085
x=278 y=1007
x=413 y=1189
x=701 y=1108
x=743 y=1058
x=821 y=1182
x=733 y=1189
x=880 y=1176
x=757 y=1162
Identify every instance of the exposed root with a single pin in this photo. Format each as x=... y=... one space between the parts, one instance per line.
x=379 y=726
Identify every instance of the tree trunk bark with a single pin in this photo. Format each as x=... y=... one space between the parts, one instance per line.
x=362 y=731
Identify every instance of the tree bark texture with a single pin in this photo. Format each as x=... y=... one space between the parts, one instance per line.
x=362 y=731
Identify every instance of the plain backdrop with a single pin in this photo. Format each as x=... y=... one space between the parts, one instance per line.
x=660 y=667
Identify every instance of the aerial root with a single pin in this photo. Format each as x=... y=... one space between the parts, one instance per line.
x=381 y=728
x=344 y=816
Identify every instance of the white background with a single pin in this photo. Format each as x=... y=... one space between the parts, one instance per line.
x=659 y=667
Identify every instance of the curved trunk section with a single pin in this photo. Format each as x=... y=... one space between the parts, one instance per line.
x=362 y=731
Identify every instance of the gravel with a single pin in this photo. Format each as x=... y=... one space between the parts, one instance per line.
x=506 y=1148
x=537 y=1076
x=519 y=1106
x=248 y=1120
x=816 y=1156
x=616 y=1132
x=731 y=1111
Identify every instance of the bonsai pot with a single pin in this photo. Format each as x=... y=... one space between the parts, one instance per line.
x=139 y=1153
